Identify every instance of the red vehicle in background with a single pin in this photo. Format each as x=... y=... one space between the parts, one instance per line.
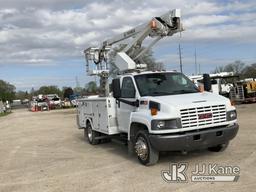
x=45 y=102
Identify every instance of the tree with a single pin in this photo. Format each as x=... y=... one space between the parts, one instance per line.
x=78 y=90
x=67 y=92
x=52 y=89
x=91 y=87
x=219 y=69
x=7 y=91
x=152 y=64
x=237 y=67
x=22 y=95
x=249 y=71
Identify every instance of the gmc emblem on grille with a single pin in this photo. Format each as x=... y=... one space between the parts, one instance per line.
x=205 y=116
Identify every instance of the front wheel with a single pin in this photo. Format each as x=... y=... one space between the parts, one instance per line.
x=91 y=135
x=146 y=154
x=219 y=148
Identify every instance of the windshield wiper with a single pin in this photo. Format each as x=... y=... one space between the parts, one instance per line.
x=162 y=93
x=159 y=93
x=183 y=91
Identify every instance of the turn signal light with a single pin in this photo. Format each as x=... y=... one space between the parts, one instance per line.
x=153 y=24
x=201 y=88
x=153 y=111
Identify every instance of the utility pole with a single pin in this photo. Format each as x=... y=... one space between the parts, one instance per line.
x=77 y=82
x=180 y=58
x=195 y=62
x=180 y=55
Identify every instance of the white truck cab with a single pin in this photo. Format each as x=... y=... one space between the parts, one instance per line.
x=153 y=111
x=159 y=111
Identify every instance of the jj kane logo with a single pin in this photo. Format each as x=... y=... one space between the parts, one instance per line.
x=201 y=173
x=176 y=173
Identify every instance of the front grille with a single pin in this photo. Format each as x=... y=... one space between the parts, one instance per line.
x=190 y=116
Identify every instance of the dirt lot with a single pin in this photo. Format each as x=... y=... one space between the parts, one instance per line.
x=44 y=151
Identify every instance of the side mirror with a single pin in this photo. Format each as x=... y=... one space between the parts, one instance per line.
x=116 y=88
x=207 y=82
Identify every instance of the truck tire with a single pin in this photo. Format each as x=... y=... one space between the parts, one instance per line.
x=219 y=148
x=91 y=135
x=146 y=154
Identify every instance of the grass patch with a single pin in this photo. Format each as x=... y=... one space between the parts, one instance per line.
x=5 y=114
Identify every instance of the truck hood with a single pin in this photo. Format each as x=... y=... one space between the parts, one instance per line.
x=191 y=99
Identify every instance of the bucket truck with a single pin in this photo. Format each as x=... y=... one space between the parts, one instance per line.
x=152 y=110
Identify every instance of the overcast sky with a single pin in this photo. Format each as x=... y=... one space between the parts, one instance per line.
x=41 y=41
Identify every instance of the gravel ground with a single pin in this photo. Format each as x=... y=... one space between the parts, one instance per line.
x=44 y=151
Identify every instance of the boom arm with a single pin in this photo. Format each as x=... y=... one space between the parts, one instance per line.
x=165 y=25
x=129 y=58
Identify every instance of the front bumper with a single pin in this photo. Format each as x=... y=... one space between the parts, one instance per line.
x=193 y=140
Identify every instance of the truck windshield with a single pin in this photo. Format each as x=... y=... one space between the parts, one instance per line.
x=159 y=84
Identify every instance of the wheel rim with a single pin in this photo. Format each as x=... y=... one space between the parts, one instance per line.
x=141 y=148
x=89 y=133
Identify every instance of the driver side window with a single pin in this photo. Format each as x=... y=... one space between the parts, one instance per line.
x=128 y=89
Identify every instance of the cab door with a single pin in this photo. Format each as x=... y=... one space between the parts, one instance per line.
x=126 y=103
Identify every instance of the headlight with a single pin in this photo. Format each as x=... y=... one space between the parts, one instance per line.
x=165 y=124
x=160 y=124
x=231 y=115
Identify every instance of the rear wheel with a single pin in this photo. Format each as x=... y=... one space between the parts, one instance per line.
x=91 y=135
x=146 y=154
x=219 y=148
